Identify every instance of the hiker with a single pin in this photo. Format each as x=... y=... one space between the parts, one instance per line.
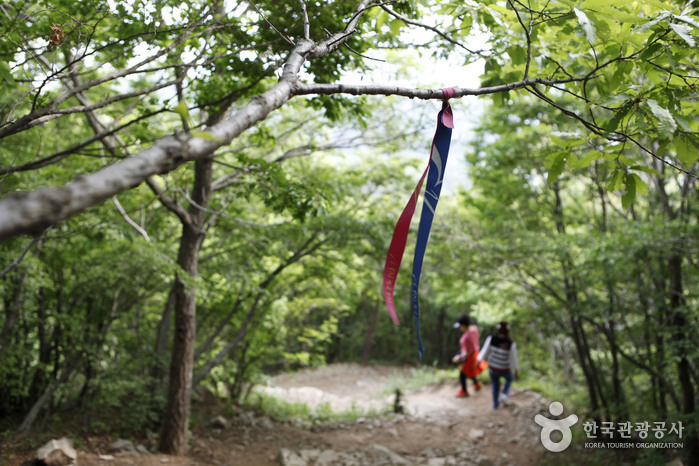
x=501 y=354
x=470 y=345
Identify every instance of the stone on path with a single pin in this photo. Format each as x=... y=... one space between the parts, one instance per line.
x=391 y=456
x=290 y=458
x=57 y=452
x=219 y=422
x=121 y=446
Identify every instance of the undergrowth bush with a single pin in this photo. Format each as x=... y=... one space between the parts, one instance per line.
x=282 y=410
x=127 y=405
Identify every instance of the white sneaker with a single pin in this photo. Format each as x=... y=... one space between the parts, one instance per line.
x=504 y=399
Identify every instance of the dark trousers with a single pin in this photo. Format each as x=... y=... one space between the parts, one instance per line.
x=462 y=380
x=495 y=377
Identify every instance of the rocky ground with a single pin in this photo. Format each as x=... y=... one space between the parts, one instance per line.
x=435 y=429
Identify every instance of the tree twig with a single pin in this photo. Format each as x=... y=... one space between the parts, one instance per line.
x=262 y=15
x=441 y=34
x=18 y=260
x=306 y=22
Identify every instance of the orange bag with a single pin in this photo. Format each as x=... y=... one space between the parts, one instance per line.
x=471 y=369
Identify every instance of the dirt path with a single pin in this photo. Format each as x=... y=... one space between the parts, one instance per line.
x=437 y=428
x=435 y=419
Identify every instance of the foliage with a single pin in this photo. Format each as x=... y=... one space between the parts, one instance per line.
x=578 y=224
x=418 y=378
x=282 y=410
x=564 y=259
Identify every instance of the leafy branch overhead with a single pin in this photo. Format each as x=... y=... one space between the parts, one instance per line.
x=625 y=71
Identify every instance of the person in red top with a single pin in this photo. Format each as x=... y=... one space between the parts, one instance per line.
x=470 y=346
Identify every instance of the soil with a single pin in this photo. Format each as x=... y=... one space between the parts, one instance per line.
x=433 y=426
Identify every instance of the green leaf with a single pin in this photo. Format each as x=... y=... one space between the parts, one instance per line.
x=687 y=152
x=620 y=75
x=597 y=4
x=641 y=186
x=381 y=19
x=183 y=111
x=556 y=168
x=684 y=32
x=517 y=54
x=5 y=73
x=687 y=20
x=652 y=23
x=558 y=141
x=683 y=123
x=616 y=180
x=395 y=26
x=586 y=25
x=613 y=123
x=666 y=124
x=651 y=51
x=630 y=194
x=205 y=135
x=589 y=158
x=643 y=169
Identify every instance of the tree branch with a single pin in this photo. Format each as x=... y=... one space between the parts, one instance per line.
x=17 y=261
x=441 y=34
x=25 y=122
x=306 y=22
x=424 y=94
x=307 y=248
x=129 y=220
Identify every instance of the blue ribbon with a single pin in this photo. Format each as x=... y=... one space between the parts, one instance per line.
x=435 y=177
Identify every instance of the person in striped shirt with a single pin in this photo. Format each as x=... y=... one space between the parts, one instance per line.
x=501 y=354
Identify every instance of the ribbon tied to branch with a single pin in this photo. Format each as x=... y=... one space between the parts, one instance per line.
x=435 y=176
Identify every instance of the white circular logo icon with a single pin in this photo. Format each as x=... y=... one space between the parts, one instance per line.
x=549 y=426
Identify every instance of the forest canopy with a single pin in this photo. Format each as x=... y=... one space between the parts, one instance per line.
x=196 y=193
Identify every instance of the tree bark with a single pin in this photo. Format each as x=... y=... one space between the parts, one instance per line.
x=684 y=339
x=162 y=339
x=576 y=324
x=13 y=304
x=176 y=420
x=680 y=324
x=366 y=353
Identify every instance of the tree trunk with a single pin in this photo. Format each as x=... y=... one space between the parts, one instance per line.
x=680 y=326
x=609 y=326
x=587 y=364
x=162 y=340
x=684 y=339
x=174 y=438
x=176 y=420
x=65 y=373
x=13 y=304
x=366 y=353
x=621 y=411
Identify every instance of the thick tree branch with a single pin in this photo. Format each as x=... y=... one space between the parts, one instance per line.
x=34 y=211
